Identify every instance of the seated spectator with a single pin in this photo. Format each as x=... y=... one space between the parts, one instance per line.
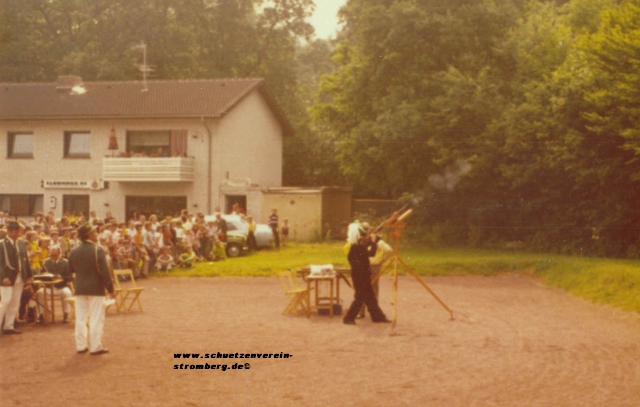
x=60 y=268
x=188 y=258
x=165 y=259
x=126 y=256
x=218 y=252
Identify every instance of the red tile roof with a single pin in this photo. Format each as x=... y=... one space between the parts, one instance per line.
x=126 y=99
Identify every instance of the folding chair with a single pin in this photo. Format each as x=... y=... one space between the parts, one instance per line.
x=124 y=293
x=299 y=296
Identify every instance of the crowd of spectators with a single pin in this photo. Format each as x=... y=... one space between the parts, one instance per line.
x=141 y=244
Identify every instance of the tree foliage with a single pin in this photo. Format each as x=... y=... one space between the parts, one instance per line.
x=536 y=101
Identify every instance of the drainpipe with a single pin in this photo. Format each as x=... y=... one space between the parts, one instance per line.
x=206 y=126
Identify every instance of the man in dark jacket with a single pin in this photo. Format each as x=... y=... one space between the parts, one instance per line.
x=15 y=271
x=361 y=274
x=222 y=228
x=89 y=263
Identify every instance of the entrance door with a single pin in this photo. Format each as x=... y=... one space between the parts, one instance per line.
x=160 y=205
x=229 y=200
x=76 y=203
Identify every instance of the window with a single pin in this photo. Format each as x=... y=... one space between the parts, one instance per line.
x=21 y=205
x=149 y=143
x=75 y=204
x=20 y=145
x=77 y=144
x=157 y=143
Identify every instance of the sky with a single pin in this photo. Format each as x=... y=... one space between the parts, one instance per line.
x=325 y=19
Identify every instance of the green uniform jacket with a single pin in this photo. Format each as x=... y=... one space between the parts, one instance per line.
x=9 y=263
x=60 y=267
x=92 y=277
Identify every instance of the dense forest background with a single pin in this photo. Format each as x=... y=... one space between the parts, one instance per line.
x=502 y=120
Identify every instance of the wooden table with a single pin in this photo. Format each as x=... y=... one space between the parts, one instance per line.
x=48 y=286
x=334 y=296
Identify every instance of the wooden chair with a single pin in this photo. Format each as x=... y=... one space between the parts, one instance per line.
x=299 y=296
x=131 y=293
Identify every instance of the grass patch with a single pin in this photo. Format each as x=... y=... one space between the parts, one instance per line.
x=608 y=281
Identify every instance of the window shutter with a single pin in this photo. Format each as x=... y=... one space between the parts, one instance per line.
x=178 y=143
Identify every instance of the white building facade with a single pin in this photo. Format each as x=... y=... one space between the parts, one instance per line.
x=180 y=145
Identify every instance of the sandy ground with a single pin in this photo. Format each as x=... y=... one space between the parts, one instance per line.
x=513 y=342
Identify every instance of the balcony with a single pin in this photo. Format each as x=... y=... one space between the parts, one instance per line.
x=147 y=169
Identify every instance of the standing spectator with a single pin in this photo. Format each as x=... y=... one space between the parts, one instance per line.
x=140 y=251
x=196 y=241
x=222 y=228
x=150 y=244
x=65 y=242
x=3 y=218
x=15 y=271
x=154 y=222
x=43 y=246
x=33 y=250
x=251 y=235
x=273 y=224
x=73 y=239
x=89 y=263
x=285 y=232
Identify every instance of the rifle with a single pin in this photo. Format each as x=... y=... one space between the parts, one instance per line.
x=396 y=217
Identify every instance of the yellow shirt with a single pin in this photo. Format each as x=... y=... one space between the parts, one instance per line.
x=35 y=260
x=44 y=254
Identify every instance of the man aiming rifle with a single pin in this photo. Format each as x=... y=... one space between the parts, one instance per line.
x=363 y=246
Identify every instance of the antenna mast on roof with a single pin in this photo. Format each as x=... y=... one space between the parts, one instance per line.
x=144 y=68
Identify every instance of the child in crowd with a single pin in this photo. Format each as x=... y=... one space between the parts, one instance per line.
x=188 y=258
x=195 y=241
x=284 y=231
x=43 y=244
x=218 y=252
x=138 y=242
x=33 y=250
x=65 y=243
x=165 y=260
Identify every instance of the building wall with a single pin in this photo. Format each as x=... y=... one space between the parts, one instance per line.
x=250 y=143
x=246 y=143
x=304 y=211
x=336 y=211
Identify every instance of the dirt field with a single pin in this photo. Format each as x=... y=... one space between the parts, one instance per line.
x=513 y=343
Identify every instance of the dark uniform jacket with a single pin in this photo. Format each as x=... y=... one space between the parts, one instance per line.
x=89 y=263
x=9 y=261
x=359 y=257
x=60 y=267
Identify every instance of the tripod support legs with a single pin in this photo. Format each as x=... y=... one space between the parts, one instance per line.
x=394 y=261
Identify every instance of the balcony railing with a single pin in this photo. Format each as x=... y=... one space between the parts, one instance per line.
x=148 y=169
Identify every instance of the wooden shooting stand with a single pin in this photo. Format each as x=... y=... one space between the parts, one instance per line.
x=396 y=225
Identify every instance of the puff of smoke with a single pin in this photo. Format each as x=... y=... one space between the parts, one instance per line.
x=451 y=176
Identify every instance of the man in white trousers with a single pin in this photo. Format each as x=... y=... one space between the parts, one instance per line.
x=15 y=271
x=89 y=263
